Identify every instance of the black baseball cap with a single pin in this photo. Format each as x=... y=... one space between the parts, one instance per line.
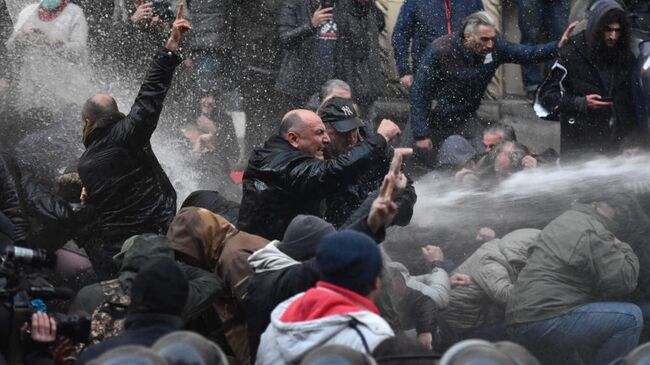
x=340 y=113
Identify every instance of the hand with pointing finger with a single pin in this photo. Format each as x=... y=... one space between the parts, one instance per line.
x=179 y=30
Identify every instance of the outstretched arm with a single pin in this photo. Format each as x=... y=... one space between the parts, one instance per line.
x=143 y=118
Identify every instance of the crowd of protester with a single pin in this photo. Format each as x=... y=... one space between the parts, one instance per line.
x=316 y=260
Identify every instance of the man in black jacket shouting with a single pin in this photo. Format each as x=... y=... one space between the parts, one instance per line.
x=120 y=173
x=289 y=176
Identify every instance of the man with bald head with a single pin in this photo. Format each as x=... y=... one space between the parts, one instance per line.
x=289 y=175
x=121 y=176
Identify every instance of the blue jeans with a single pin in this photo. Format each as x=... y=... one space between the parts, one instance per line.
x=595 y=333
x=493 y=332
x=540 y=21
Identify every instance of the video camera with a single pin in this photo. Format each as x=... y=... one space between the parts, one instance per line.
x=20 y=282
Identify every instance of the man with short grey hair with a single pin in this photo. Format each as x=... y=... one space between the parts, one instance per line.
x=335 y=87
x=456 y=71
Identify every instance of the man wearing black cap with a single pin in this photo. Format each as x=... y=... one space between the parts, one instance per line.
x=290 y=176
x=346 y=130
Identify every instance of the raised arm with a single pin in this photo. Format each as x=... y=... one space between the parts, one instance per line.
x=522 y=54
x=145 y=112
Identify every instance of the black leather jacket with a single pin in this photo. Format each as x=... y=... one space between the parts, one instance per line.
x=281 y=182
x=10 y=204
x=123 y=179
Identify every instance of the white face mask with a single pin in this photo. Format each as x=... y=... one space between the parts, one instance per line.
x=50 y=4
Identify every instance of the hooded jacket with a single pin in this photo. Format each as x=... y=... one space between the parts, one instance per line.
x=203 y=286
x=281 y=182
x=125 y=183
x=493 y=268
x=324 y=315
x=211 y=242
x=279 y=277
x=575 y=261
x=578 y=73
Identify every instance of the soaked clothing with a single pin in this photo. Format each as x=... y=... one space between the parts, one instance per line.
x=493 y=268
x=282 y=182
x=457 y=79
x=574 y=262
x=122 y=176
x=214 y=244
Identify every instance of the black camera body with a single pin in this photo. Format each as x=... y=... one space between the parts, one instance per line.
x=327 y=3
x=163 y=10
x=20 y=282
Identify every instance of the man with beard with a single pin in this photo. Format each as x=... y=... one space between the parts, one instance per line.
x=589 y=87
x=456 y=71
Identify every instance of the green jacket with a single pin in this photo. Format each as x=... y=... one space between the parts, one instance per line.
x=493 y=268
x=204 y=287
x=574 y=262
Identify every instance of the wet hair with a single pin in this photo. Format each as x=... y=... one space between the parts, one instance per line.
x=68 y=187
x=501 y=128
x=474 y=20
x=93 y=110
x=332 y=84
x=515 y=150
x=288 y=122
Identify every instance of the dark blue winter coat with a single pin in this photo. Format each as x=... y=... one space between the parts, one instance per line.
x=422 y=21
x=457 y=79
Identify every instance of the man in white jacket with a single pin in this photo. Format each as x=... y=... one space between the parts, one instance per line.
x=339 y=310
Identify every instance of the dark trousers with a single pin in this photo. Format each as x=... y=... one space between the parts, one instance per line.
x=595 y=333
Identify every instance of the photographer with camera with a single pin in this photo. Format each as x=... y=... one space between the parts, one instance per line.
x=26 y=293
x=139 y=27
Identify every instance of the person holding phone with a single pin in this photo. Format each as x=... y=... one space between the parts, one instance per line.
x=589 y=87
x=329 y=39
